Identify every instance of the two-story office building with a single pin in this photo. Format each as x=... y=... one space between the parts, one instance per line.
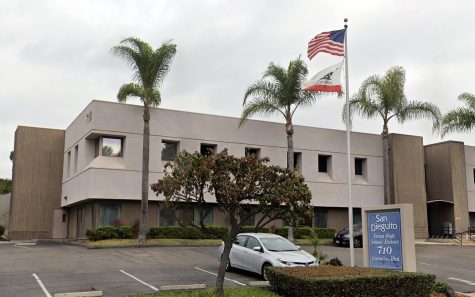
x=89 y=175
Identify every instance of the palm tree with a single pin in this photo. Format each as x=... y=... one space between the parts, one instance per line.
x=461 y=119
x=279 y=92
x=384 y=97
x=150 y=68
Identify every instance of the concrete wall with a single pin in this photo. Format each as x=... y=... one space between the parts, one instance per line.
x=4 y=210
x=407 y=177
x=36 y=182
x=119 y=178
x=470 y=174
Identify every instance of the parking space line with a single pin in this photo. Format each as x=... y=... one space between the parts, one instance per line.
x=425 y=263
x=462 y=281
x=228 y=279
x=41 y=285
x=20 y=246
x=139 y=280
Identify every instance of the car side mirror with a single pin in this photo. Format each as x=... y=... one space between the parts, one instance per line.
x=258 y=249
x=299 y=247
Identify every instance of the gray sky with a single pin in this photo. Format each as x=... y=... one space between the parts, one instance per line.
x=55 y=55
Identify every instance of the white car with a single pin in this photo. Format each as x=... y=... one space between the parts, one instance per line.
x=257 y=251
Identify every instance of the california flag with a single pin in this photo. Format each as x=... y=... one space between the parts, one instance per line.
x=327 y=80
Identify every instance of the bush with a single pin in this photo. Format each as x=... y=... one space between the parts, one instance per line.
x=252 y=229
x=2 y=230
x=178 y=232
x=305 y=232
x=333 y=262
x=348 y=281
x=109 y=232
x=440 y=287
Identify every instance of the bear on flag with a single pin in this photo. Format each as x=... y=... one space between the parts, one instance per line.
x=327 y=80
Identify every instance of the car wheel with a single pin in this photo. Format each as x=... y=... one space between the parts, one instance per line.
x=263 y=272
x=357 y=243
x=228 y=265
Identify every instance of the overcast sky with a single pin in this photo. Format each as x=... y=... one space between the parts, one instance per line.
x=55 y=55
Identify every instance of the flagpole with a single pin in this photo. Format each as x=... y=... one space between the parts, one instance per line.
x=348 y=150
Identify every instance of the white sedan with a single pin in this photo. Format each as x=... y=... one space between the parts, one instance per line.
x=257 y=251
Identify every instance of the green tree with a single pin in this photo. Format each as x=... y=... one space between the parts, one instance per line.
x=383 y=97
x=461 y=119
x=279 y=92
x=235 y=183
x=5 y=186
x=150 y=68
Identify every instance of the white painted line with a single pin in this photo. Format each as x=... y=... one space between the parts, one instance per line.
x=24 y=247
x=140 y=281
x=183 y=287
x=463 y=281
x=424 y=263
x=41 y=285
x=228 y=279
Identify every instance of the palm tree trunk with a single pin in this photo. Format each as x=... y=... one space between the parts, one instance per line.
x=385 y=134
x=145 y=165
x=290 y=165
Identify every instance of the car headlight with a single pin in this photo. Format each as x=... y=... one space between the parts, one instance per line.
x=283 y=261
x=346 y=236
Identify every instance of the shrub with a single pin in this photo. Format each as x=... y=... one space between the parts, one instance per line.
x=109 y=232
x=333 y=262
x=2 y=230
x=348 y=281
x=136 y=228
x=440 y=287
x=178 y=232
x=252 y=229
x=305 y=232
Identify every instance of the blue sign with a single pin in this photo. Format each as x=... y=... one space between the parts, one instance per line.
x=384 y=240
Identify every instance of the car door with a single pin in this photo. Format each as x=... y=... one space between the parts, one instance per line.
x=252 y=259
x=237 y=252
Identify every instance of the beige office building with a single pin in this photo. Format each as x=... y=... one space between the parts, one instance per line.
x=89 y=175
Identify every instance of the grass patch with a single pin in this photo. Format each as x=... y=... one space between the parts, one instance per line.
x=322 y=241
x=228 y=292
x=152 y=242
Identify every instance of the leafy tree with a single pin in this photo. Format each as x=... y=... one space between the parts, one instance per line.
x=5 y=186
x=461 y=119
x=383 y=97
x=235 y=183
x=12 y=156
x=279 y=92
x=150 y=68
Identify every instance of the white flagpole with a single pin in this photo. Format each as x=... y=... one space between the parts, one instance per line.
x=348 y=151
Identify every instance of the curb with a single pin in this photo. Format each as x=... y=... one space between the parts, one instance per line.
x=80 y=294
x=140 y=246
x=259 y=284
x=183 y=287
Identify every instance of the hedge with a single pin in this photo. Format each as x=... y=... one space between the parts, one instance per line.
x=348 y=281
x=178 y=232
x=110 y=232
x=305 y=232
x=2 y=230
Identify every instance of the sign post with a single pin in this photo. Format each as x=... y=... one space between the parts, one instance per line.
x=388 y=237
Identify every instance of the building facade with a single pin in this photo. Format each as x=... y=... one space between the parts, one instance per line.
x=90 y=173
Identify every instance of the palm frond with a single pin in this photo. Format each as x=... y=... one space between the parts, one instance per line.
x=365 y=107
x=161 y=62
x=130 y=90
x=392 y=89
x=259 y=106
x=468 y=99
x=419 y=110
x=264 y=89
x=461 y=119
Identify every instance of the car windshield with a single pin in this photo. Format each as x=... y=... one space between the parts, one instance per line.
x=276 y=244
x=356 y=228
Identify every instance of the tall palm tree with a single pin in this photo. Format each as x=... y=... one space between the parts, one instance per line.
x=461 y=119
x=384 y=97
x=150 y=68
x=279 y=92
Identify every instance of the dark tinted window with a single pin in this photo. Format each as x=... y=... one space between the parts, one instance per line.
x=359 y=164
x=323 y=163
x=255 y=152
x=169 y=150
x=208 y=149
x=252 y=243
x=240 y=240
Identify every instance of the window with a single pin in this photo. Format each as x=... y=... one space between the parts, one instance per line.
x=240 y=240
x=248 y=218
x=111 y=147
x=208 y=149
x=68 y=168
x=109 y=213
x=298 y=162
x=166 y=216
x=76 y=152
x=252 y=243
x=169 y=150
x=356 y=215
x=251 y=151
x=63 y=218
x=324 y=163
x=474 y=175
x=184 y=216
x=321 y=218
x=208 y=213
x=360 y=166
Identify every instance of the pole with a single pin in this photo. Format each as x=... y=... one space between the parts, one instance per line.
x=348 y=151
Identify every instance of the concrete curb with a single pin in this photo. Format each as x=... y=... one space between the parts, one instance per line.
x=80 y=294
x=259 y=284
x=183 y=287
x=141 y=246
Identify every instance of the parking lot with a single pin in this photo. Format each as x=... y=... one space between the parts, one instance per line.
x=46 y=269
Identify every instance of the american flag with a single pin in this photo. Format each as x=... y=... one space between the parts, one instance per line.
x=331 y=42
